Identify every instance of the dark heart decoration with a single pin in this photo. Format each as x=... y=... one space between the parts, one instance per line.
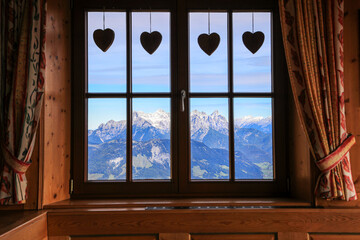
x=253 y=41
x=209 y=43
x=150 y=41
x=104 y=38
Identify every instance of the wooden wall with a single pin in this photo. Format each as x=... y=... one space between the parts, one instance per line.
x=56 y=128
x=219 y=224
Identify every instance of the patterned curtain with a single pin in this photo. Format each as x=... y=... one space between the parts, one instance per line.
x=313 y=42
x=22 y=81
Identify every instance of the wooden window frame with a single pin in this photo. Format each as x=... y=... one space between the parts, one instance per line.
x=177 y=187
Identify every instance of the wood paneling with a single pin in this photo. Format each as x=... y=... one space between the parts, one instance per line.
x=233 y=237
x=56 y=129
x=60 y=238
x=334 y=237
x=293 y=236
x=23 y=226
x=137 y=221
x=116 y=238
x=174 y=236
x=299 y=157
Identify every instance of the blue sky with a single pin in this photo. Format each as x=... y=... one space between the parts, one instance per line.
x=151 y=73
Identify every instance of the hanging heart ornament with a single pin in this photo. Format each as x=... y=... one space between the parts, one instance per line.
x=104 y=38
x=150 y=41
x=253 y=41
x=209 y=42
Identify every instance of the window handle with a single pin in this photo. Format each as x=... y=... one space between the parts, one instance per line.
x=183 y=96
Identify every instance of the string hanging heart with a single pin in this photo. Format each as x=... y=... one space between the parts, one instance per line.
x=253 y=40
x=209 y=42
x=150 y=41
x=104 y=38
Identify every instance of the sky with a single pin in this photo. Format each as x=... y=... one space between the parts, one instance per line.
x=151 y=73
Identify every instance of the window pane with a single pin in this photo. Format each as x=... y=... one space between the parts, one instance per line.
x=208 y=73
x=252 y=72
x=253 y=138
x=107 y=70
x=151 y=138
x=151 y=73
x=106 y=139
x=209 y=138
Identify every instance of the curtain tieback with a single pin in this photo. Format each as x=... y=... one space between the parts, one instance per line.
x=17 y=165
x=330 y=161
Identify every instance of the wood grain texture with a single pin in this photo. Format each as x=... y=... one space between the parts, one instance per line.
x=293 y=236
x=41 y=161
x=174 y=236
x=32 y=176
x=233 y=237
x=137 y=221
x=334 y=237
x=56 y=134
x=352 y=94
x=299 y=163
x=23 y=226
x=194 y=202
x=154 y=237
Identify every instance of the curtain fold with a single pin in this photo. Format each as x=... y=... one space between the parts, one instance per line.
x=22 y=77
x=313 y=41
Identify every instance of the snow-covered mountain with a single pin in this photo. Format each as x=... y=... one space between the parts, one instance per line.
x=159 y=119
x=148 y=126
x=258 y=123
x=107 y=131
x=151 y=160
x=209 y=147
x=201 y=123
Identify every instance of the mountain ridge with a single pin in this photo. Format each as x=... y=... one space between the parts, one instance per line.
x=209 y=147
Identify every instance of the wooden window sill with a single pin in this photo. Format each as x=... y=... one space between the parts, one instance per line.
x=23 y=225
x=180 y=203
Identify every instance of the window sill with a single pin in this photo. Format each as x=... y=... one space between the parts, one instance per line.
x=23 y=224
x=178 y=203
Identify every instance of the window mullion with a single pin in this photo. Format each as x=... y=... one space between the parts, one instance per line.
x=183 y=129
x=128 y=98
x=231 y=99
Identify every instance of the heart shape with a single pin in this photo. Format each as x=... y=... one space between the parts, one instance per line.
x=150 y=41
x=253 y=41
x=104 y=38
x=209 y=43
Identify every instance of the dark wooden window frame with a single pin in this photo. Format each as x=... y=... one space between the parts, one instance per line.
x=177 y=187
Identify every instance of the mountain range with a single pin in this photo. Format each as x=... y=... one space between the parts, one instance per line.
x=209 y=147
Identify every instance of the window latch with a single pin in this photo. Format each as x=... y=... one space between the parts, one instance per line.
x=183 y=96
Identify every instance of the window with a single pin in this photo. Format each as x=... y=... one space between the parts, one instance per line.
x=178 y=122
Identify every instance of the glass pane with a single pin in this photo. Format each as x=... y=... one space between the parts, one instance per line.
x=208 y=73
x=106 y=139
x=107 y=70
x=252 y=72
x=209 y=138
x=253 y=138
x=151 y=73
x=151 y=138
